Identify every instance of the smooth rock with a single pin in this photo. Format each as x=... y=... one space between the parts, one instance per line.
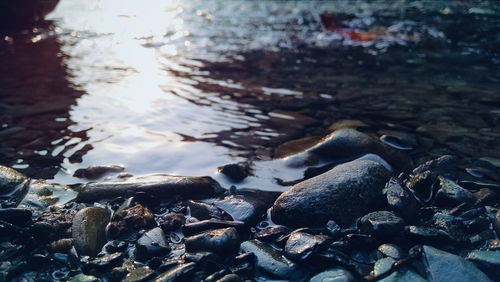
x=225 y=240
x=88 y=230
x=451 y=194
x=102 y=263
x=203 y=211
x=61 y=245
x=300 y=245
x=13 y=187
x=336 y=274
x=237 y=172
x=178 y=273
x=204 y=225
x=84 y=278
x=159 y=185
x=139 y=274
x=242 y=208
x=230 y=278
x=42 y=195
x=404 y=274
x=443 y=266
x=342 y=194
x=130 y=220
x=381 y=224
x=426 y=235
x=392 y=251
x=98 y=171
x=272 y=262
x=151 y=243
x=446 y=166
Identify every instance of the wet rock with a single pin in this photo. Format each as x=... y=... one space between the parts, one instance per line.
x=200 y=226
x=159 y=185
x=451 y=194
x=225 y=240
x=115 y=246
x=272 y=262
x=445 y=166
x=178 y=273
x=151 y=243
x=95 y=172
x=333 y=229
x=16 y=216
x=172 y=221
x=489 y=259
x=486 y=197
x=496 y=223
x=392 y=251
x=334 y=274
x=203 y=211
x=346 y=123
x=404 y=274
x=88 y=230
x=243 y=264
x=42 y=195
x=102 y=263
x=139 y=274
x=443 y=266
x=301 y=245
x=230 y=278
x=271 y=232
x=130 y=220
x=84 y=278
x=426 y=235
x=402 y=200
x=61 y=246
x=396 y=142
x=13 y=187
x=237 y=172
x=381 y=224
x=345 y=192
x=242 y=208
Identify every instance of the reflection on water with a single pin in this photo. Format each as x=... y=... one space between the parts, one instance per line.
x=185 y=86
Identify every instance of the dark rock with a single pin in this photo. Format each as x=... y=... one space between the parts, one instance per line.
x=381 y=224
x=451 y=194
x=13 y=187
x=242 y=208
x=237 y=171
x=402 y=274
x=243 y=264
x=115 y=246
x=446 y=166
x=402 y=200
x=88 y=230
x=130 y=220
x=172 y=221
x=422 y=184
x=139 y=274
x=300 y=245
x=61 y=245
x=333 y=229
x=272 y=262
x=334 y=274
x=271 y=232
x=224 y=240
x=102 y=263
x=426 y=235
x=200 y=226
x=487 y=261
x=361 y=241
x=95 y=172
x=16 y=216
x=496 y=223
x=392 y=251
x=486 y=197
x=152 y=243
x=345 y=192
x=178 y=273
x=396 y=142
x=203 y=211
x=84 y=278
x=443 y=266
x=159 y=185
x=230 y=278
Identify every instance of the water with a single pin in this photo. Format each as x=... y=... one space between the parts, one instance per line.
x=182 y=87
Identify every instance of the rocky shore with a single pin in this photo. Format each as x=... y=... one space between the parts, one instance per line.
x=362 y=211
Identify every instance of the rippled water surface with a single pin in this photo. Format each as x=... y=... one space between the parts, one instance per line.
x=182 y=87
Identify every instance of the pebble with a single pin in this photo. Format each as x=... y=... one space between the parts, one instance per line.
x=381 y=224
x=237 y=172
x=130 y=220
x=242 y=208
x=88 y=230
x=178 y=273
x=226 y=240
x=451 y=194
x=13 y=187
x=300 y=245
x=151 y=243
x=172 y=221
x=203 y=211
x=336 y=274
x=402 y=200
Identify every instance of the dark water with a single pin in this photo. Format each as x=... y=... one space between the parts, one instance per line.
x=182 y=87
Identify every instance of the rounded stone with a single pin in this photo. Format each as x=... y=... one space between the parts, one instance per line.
x=88 y=230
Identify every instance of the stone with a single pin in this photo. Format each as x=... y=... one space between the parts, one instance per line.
x=300 y=245
x=115 y=246
x=426 y=235
x=172 y=221
x=496 y=223
x=105 y=262
x=230 y=278
x=272 y=262
x=392 y=251
x=226 y=240
x=96 y=172
x=236 y=172
x=342 y=194
x=161 y=186
x=84 y=278
x=61 y=245
x=203 y=211
x=139 y=274
x=402 y=274
x=242 y=208
x=13 y=187
x=381 y=224
x=402 y=200
x=200 y=226
x=445 y=166
x=336 y=274
x=451 y=194
x=178 y=273
x=88 y=230
x=443 y=266
x=333 y=229
x=130 y=220
x=151 y=243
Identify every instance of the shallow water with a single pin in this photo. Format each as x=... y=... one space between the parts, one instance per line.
x=182 y=87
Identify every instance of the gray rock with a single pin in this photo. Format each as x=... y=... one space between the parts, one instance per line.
x=242 y=208
x=230 y=278
x=151 y=243
x=272 y=262
x=301 y=245
x=204 y=225
x=224 y=240
x=178 y=273
x=402 y=200
x=98 y=171
x=102 y=263
x=487 y=261
x=159 y=185
x=13 y=187
x=404 y=274
x=345 y=192
x=381 y=224
x=443 y=266
x=392 y=251
x=445 y=166
x=426 y=235
x=451 y=194
x=88 y=230
x=337 y=274
x=203 y=211
x=43 y=194
x=139 y=274
x=84 y=278
x=127 y=221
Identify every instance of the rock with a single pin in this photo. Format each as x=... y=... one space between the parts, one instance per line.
x=300 y=245
x=426 y=235
x=346 y=123
x=222 y=241
x=178 y=273
x=496 y=223
x=397 y=142
x=84 y=278
x=242 y=208
x=159 y=185
x=102 y=263
x=392 y=251
x=422 y=185
x=115 y=246
x=172 y=221
x=13 y=187
x=139 y=274
x=230 y=278
x=42 y=195
x=336 y=274
x=443 y=266
x=404 y=274
x=272 y=262
x=61 y=245
x=451 y=194
x=271 y=232
x=487 y=261
x=200 y=226
x=203 y=211
x=95 y=172
x=381 y=224
x=237 y=172
x=16 y=216
x=152 y=243
x=345 y=192
x=333 y=229
x=130 y=220
x=402 y=200
x=445 y=166
x=88 y=230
